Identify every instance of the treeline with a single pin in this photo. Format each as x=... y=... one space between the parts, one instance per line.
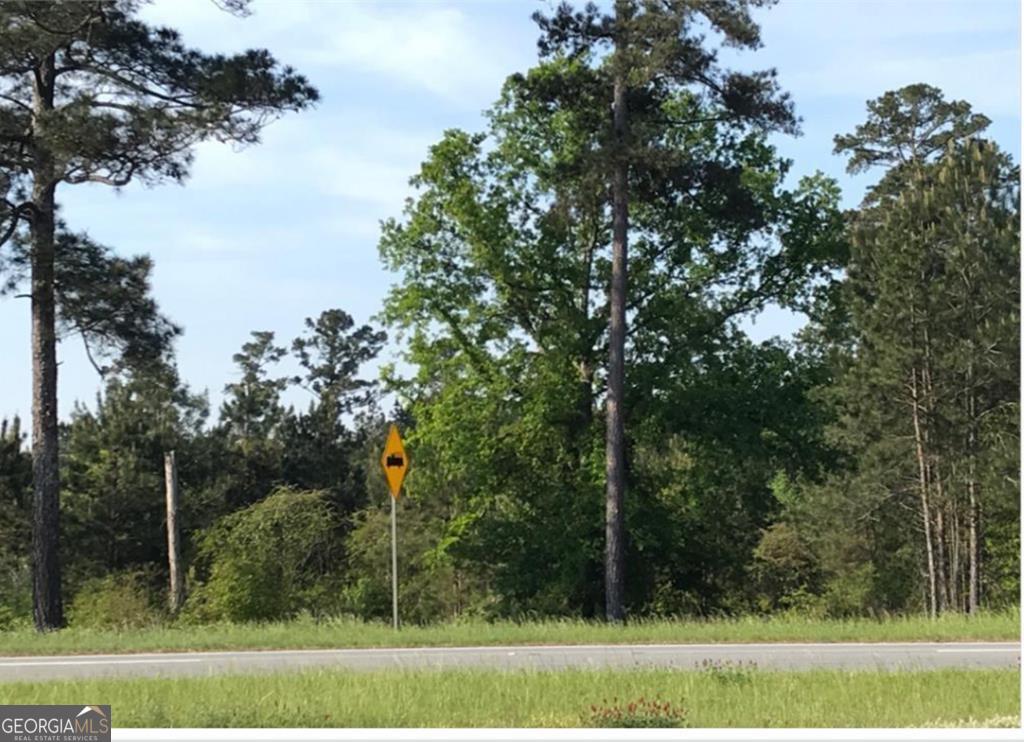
x=867 y=466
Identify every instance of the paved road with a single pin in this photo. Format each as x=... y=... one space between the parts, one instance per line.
x=689 y=656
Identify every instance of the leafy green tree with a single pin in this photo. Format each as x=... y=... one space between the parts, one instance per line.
x=331 y=355
x=708 y=450
x=502 y=255
x=91 y=94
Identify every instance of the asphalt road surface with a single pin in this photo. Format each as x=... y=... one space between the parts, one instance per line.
x=908 y=656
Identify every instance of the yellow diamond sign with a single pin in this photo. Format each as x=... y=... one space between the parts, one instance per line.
x=394 y=461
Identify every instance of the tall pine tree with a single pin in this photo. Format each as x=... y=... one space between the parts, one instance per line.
x=645 y=53
x=91 y=94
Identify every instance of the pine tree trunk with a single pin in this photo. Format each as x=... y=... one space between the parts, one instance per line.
x=46 y=575
x=926 y=518
x=615 y=440
x=954 y=556
x=973 y=507
x=941 y=557
x=935 y=476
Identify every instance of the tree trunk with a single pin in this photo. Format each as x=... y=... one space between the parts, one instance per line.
x=955 y=547
x=941 y=557
x=926 y=519
x=973 y=507
x=934 y=473
x=48 y=608
x=615 y=441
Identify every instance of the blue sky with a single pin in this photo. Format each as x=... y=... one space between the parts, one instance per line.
x=261 y=238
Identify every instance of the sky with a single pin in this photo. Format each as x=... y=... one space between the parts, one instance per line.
x=261 y=238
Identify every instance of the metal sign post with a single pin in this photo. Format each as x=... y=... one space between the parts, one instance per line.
x=394 y=562
x=395 y=464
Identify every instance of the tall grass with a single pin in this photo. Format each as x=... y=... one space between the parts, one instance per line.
x=337 y=633
x=739 y=698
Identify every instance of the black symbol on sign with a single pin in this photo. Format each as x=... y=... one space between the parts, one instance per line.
x=394 y=460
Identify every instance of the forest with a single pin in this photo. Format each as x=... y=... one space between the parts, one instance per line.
x=591 y=429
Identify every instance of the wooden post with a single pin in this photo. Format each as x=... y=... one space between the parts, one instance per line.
x=177 y=587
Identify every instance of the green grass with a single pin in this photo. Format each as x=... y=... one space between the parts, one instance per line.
x=337 y=633
x=478 y=698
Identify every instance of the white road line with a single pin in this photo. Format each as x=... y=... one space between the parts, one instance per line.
x=979 y=649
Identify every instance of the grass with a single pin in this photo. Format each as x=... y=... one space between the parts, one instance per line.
x=339 y=633
x=478 y=698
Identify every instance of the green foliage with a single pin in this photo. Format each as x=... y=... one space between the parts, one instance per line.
x=504 y=255
x=251 y=409
x=92 y=94
x=101 y=297
x=120 y=600
x=113 y=473
x=784 y=569
x=267 y=561
x=926 y=385
x=910 y=125
x=142 y=98
x=15 y=593
x=773 y=477
x=15 y=503
x=324 y=448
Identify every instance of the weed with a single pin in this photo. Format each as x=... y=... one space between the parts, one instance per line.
x=643 y=713
x=728 y=672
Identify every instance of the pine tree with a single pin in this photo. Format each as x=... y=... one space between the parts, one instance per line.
x=934 y=352
x=655 y=50
x=91 y=94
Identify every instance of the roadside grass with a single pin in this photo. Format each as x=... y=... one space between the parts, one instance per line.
x=341 y=633
x=481 y=698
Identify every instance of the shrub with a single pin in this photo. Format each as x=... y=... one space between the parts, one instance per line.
x=268 y=561
x=642 y=713
x=784 y=570
x=431 y=587
x=119 y=601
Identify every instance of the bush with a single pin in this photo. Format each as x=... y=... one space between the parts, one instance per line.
x=431 y=589
x=268 y=561
x=784 y=571
x=117 y=601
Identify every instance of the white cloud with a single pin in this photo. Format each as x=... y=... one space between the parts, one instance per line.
x=437 y=48
x=989 y=80
x=884 y=20
x=861 y=49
